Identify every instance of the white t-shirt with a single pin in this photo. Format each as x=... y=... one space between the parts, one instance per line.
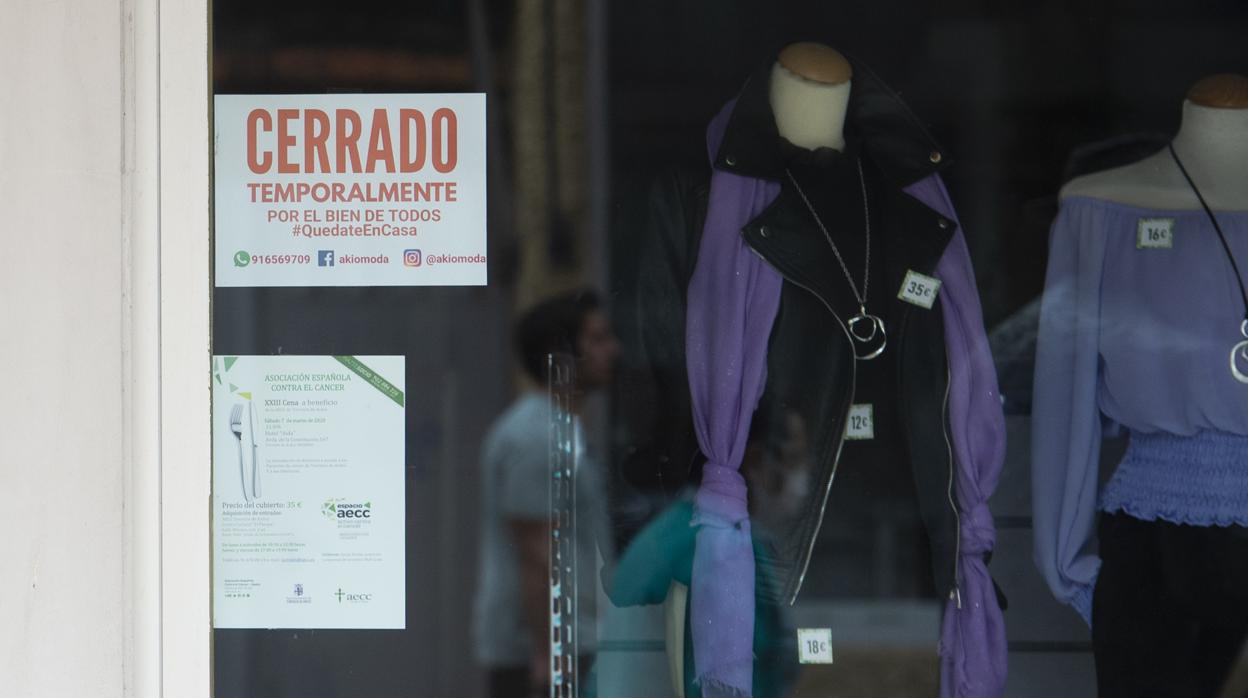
x=515 y=469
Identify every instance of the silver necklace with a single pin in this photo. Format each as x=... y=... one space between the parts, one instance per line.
x=864 y=327
x=1239 y=352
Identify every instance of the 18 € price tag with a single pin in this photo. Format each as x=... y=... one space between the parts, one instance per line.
x=814 y=645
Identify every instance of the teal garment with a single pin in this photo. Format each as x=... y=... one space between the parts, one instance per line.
x=663 y=552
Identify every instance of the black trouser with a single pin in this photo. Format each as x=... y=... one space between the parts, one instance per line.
x=1170 y=610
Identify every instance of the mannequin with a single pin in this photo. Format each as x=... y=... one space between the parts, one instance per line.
x=809 y=96
x=810 y=86
x=1213 y=143
x=1141 y=310
x=789 y=294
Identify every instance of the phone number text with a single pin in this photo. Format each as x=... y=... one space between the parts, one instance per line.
x=281 y=259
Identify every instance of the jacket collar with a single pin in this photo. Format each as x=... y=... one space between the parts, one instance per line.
x=888 y=131
x=912 y=236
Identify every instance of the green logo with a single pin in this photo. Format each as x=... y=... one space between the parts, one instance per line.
x=338 y=509
x=241 y=258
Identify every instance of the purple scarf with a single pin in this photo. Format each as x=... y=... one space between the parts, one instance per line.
x=732 y=302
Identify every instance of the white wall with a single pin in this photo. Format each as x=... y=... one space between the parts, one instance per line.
x=61 y=326
x=104 y=437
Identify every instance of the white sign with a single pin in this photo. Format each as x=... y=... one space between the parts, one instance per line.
x=350 y=190
x=860 y=425
x=1154 y=234
x=814 y=645
x=919 y=289
x=307 y=483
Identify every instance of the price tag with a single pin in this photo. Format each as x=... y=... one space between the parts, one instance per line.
x=861 y=423
x=1154 y=234
x=814 y=645
x=919 y=289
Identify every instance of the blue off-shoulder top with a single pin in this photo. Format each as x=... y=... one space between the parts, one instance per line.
x=1140 y=313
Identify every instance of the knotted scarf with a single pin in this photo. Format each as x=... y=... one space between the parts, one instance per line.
x=733 y=298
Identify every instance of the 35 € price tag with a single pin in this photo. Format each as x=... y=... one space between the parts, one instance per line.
x=919 y=289
x=814 y=645
x=1154 y=234
x=860 y=426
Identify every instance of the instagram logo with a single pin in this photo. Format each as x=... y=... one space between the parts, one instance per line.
x=411 y=258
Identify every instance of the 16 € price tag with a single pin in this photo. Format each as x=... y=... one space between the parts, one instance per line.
x=1154 y=234
x=814 y=645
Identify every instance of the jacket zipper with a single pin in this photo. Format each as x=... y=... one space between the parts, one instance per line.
x=956 y=593
x=840 y=443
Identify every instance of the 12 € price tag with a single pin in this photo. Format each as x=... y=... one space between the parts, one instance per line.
x=919 y=289
x=814 y=645
x=861 y=423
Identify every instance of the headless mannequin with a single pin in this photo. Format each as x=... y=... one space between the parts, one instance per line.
x=1213 y=144
x=809 y=98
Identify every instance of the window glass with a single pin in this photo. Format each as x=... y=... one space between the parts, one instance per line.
x=671 y=349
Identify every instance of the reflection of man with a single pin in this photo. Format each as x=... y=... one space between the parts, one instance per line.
x=511 y=610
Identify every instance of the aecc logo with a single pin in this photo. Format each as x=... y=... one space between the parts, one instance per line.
x=353 y=598
x=338 y=509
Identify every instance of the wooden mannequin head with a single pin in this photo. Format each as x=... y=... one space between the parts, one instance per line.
x=1221 y=91
x=810 y=86
x=816 y=62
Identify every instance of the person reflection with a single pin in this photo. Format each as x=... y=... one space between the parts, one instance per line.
x=510 y=610
x=779 y=476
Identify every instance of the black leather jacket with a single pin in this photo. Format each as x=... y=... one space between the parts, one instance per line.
x=811 y=368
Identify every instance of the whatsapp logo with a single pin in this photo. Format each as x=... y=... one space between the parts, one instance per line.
x=241 y=258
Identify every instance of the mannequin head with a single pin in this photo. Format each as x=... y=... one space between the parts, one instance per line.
x=1222 y=91
x=816 y=62
x=1213 y=144
x=1215 y=123
x=810 y=86
x=1213 y=140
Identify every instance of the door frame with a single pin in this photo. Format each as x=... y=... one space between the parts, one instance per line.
x=167 y=282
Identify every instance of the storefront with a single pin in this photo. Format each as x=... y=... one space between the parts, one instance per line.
x=559 y=348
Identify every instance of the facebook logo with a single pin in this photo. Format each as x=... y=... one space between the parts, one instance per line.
x=325 y=258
